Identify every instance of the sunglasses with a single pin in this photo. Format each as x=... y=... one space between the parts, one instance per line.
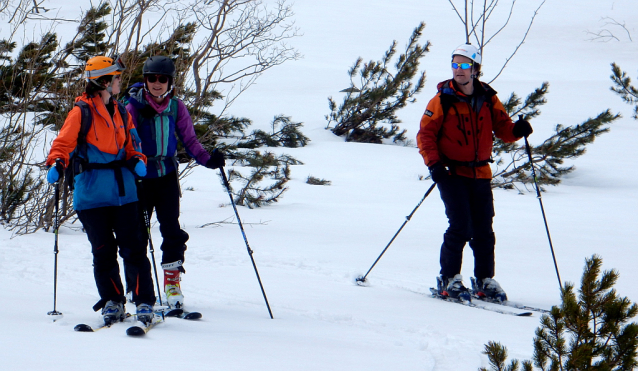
x=161 y=78
x=463 y=66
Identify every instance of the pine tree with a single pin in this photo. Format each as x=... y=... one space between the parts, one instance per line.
x=588 y=331
x=511 y=162
x=623 y=87
x=369 y=115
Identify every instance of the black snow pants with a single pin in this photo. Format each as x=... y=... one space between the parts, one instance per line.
x=111 y=227
x=162 y=195
x=469 y=206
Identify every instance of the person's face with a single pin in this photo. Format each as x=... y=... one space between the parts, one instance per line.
x=460 y=75
x=115 y=84
x=157 y=84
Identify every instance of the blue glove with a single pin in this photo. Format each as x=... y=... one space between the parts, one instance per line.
x=55 y=172
x=140 y=168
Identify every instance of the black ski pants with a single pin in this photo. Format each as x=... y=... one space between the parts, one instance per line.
x=162 y=195
x=109 y=228
x=469 y=206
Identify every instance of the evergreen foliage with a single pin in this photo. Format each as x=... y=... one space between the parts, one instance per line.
x=590 y=330
x=511 y=163
x=368 y=113
x=263 y=166
x=285 y=133
x=624 y=88
x=316 y=181
x=91 y=39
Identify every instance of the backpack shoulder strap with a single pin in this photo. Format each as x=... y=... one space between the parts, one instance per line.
x=85 y=126
x=174 y=108
x=124 y=115
x=80 y=153
x=446 y=103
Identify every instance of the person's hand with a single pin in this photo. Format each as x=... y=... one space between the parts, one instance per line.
x=216 y=160
x=438 y=172
x=140 y=168
x=55 y=171
x=522 y=128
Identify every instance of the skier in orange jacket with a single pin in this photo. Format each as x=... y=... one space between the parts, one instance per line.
x=105 y=195
x=455 y=140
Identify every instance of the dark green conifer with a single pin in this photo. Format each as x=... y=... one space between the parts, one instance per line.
x=589 y=331
x=368 y=112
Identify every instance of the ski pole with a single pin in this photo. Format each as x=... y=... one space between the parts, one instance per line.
x=362 y=279
x=56 y=227
x=250 y=252
x=147 y=223
x=540 y=200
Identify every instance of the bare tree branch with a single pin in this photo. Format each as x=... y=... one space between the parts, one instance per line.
x=531 y=22
x=605 y=34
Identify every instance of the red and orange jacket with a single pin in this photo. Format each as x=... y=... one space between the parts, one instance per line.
x=107 y=141
x=462 y=138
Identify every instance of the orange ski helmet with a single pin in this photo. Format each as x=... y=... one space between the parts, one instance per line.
x=103 y=66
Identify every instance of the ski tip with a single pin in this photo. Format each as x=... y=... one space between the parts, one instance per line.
x=83 y=328
x=193 y=315
x=525 y=314
x=135 y=331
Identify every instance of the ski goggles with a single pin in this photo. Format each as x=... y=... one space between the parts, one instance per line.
x=118 y=63
x=463 y=66
x=163 y=79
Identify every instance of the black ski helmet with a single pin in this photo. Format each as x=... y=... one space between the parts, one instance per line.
x=159 y=65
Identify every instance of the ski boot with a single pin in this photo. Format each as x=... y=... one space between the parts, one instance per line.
x=174 y=296
x=453 y=288
x=488 y=289
x=113 y=312
x=145 y=313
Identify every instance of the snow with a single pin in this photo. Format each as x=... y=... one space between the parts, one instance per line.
x=311 y=245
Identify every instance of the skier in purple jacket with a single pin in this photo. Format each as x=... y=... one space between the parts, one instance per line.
x=158 y=116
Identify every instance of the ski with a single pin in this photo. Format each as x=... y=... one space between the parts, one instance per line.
x=143 y=329
x=505 y=303
x=435 y=294
x=512 y=304
x=87 y=328
x=181 y=313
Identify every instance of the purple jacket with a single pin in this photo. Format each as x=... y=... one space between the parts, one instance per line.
x=157 y=125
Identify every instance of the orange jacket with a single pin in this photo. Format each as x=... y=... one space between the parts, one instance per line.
x=106 y=134
x=466 y=134
x=107 y=142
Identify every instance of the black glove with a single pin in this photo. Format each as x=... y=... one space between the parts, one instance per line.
x=522 y=128
x=216 y=160
x=438 y=172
